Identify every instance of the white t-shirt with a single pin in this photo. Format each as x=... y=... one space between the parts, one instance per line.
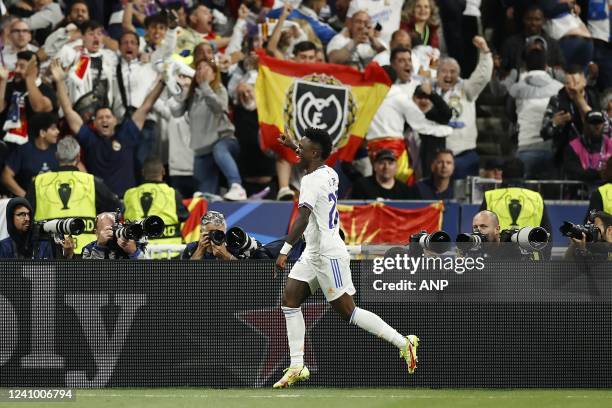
x=362 y=55
x=319 y=192
x=385 y=12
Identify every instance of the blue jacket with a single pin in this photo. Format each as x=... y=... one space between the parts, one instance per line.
x=7 y=250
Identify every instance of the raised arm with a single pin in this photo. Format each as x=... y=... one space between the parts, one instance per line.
x=74 y=119
x=141 y=113
x=128 y=15
x=272 y=47
x=39 y=102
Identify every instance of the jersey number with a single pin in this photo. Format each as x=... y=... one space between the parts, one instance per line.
x=333 y=213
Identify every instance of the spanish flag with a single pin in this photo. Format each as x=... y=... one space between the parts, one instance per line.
x=291 y=97
x=191 y=227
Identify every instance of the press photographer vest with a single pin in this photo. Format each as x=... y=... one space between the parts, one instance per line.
x=67 y=194
x=606 y=197
x=516 y=207
x=154 y=199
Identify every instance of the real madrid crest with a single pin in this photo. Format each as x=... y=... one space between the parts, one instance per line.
x=319 y=101
x=116 y=145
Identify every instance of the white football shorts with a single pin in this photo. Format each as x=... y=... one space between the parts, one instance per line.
x=333 y=276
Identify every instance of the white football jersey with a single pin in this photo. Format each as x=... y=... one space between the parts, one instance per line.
x=319 y=192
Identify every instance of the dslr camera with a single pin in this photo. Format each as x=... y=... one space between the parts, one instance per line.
x=471 y=242
x=591 y=232
x=152 y=226
x=237 y=241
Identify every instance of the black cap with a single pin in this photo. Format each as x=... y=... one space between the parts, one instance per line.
x=595 y=118
x=384 y=154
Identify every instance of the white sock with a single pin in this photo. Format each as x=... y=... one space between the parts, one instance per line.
x=296 y=330
x=377 y=326
x=472 y=8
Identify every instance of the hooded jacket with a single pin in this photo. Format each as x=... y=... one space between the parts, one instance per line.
x=531 y=95
x=18 y=245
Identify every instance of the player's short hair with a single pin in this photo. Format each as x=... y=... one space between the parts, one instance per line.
x=212 y=217
x=322 y=138
x=40 y=121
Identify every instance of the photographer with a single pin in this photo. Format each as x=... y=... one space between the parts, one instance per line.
x=487 y=223
x=515 y=205
x=598 y=246
x=69 y=192
x=206 y=248
x=24 y=241
x=107 y=245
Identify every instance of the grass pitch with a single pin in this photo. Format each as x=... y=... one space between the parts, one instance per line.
x=328 y=397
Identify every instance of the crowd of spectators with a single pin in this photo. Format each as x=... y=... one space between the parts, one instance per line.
x=175 y=80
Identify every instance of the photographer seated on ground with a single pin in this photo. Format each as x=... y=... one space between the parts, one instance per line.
x=107 y=246
x=209 y=247
x=599 y=246
x=23 y=241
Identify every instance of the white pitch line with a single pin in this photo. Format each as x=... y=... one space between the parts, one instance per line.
x=93 y=395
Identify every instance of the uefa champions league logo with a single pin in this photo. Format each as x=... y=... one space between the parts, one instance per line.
x=319 y=101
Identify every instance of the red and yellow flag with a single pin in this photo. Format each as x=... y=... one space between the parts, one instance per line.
x=378 y=223
x=291 y=97
x=191 y=227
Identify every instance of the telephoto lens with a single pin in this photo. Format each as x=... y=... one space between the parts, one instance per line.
x=238 y=240
x=531 y=238
x=66 y=226
x=437 y=242
x=152 y=226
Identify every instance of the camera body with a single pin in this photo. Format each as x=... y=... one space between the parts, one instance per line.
x=471 y=242
x=591 y=232
x=236 y=239
x=152 y=226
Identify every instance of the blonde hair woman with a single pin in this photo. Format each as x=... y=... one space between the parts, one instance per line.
x=423 y=18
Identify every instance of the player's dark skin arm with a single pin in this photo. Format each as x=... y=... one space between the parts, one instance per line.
x=299 y=226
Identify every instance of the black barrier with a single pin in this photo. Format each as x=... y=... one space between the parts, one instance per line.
x=172 y=323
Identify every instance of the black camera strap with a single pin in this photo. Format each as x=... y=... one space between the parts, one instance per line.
x=121 y=85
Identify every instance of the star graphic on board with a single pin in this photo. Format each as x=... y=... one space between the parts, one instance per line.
x=270 y=323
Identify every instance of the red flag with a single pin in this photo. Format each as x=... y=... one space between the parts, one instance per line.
x=378 y=223
x=191 y=227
